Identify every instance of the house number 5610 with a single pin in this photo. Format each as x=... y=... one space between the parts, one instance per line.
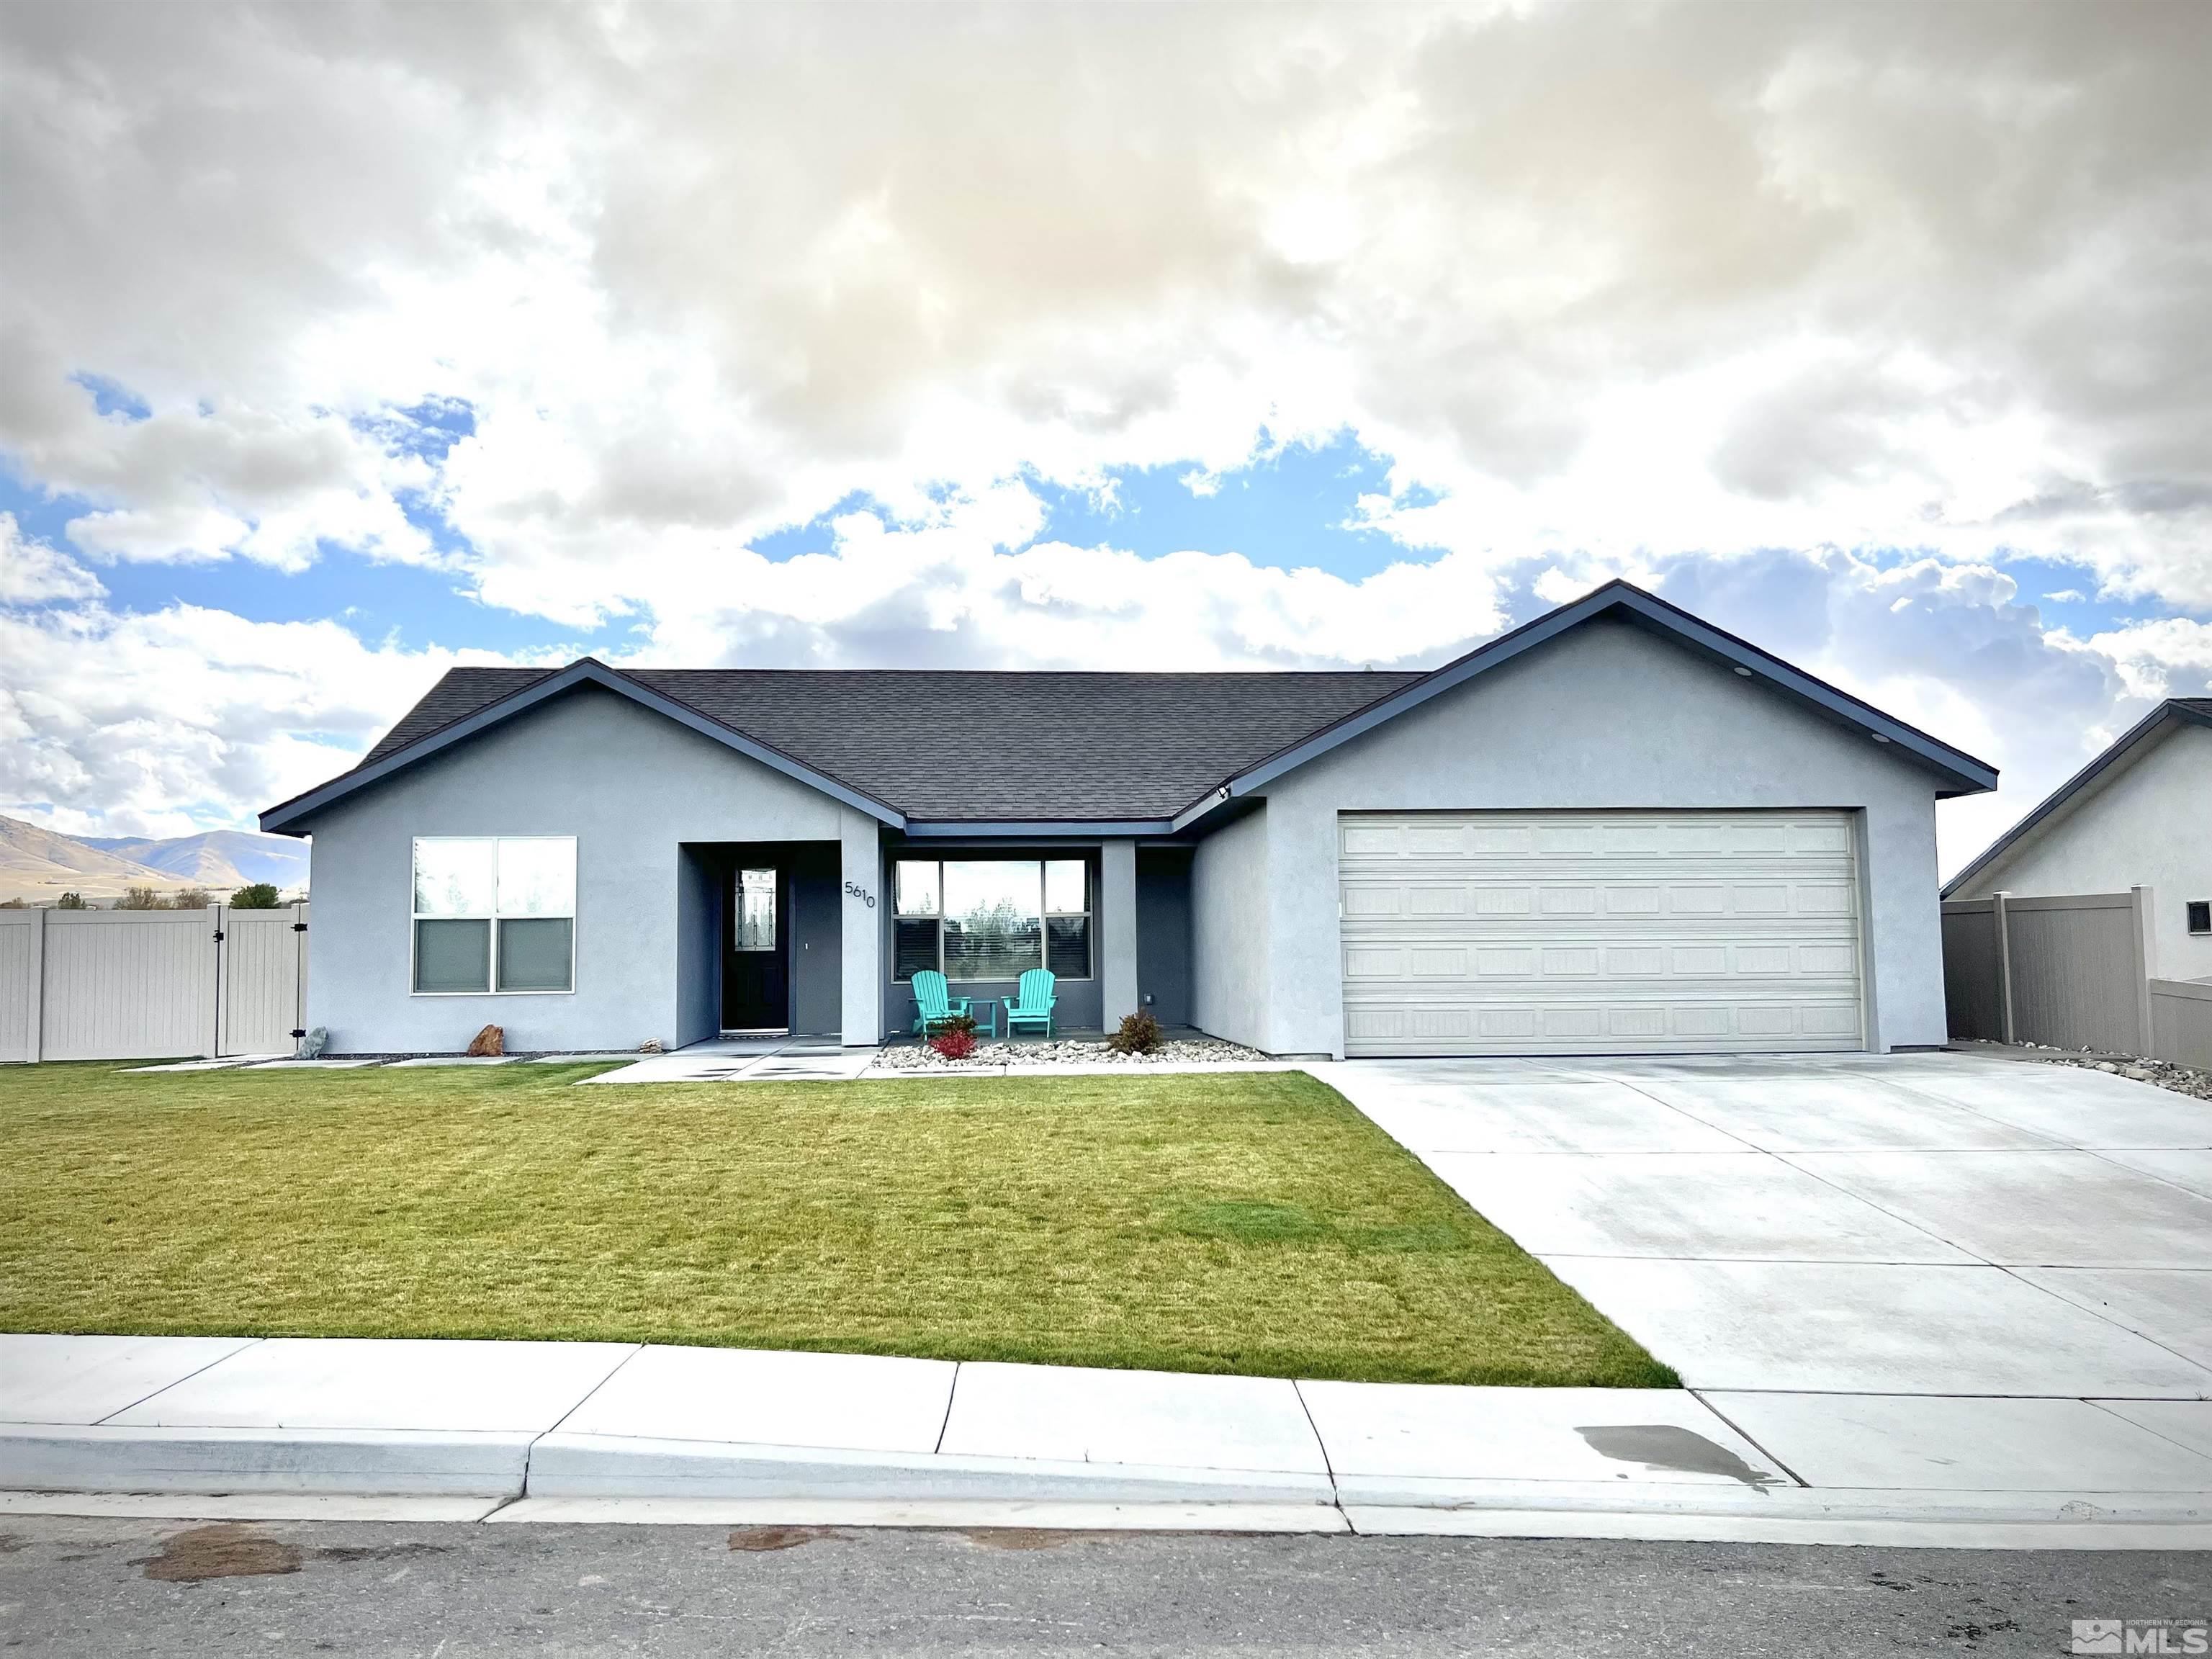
x=854 y=890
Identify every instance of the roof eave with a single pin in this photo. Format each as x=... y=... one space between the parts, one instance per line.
x=1111 y=828
x=288 y=817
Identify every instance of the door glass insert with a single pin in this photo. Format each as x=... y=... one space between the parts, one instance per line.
x=755 y=928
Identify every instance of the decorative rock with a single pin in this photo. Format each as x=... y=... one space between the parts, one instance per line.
x=312 y=1044
x=652 y=1046
x=488 y=1042
x=1188 y=1051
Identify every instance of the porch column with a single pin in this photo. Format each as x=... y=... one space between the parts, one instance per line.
x=1117 y=931
x=864 y=904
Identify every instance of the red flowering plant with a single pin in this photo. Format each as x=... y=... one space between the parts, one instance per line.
x=957 y=1040
x=954 y=1045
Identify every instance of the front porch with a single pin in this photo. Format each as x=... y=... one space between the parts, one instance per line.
x=818 y=941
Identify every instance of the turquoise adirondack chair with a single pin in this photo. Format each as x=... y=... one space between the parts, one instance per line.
x=933 y=1004
x=1034 y=1005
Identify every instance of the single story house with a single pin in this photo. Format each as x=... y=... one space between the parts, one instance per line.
x=2140 y=814
x=1615 y=830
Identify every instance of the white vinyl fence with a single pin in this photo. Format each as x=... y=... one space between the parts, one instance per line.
x=2070 y=972
x=151 y=984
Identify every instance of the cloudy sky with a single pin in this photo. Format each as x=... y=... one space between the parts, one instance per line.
x=341 y=345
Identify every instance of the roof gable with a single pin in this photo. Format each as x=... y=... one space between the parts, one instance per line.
x=543 y=687
x=2124 y=751
x=1966 y=774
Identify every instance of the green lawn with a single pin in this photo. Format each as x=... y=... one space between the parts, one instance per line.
x=1250 y=1221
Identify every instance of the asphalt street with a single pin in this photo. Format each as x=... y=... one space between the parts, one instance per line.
x=110 y=1588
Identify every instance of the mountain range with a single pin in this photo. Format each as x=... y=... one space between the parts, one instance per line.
x=37 y=865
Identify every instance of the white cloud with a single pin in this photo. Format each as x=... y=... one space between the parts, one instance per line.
x=1725 y=300
x=703 y=271
x=187 y=719
x=31 y=573
x=2169 y=657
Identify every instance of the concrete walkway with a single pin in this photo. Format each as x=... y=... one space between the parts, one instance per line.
x=202 y=1426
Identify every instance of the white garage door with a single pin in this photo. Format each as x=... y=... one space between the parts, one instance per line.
x=1598 y=933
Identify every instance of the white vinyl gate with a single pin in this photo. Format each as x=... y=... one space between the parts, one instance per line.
x=1598 y=933
x=151 y=984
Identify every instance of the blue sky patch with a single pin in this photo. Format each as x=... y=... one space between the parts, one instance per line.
x=428 y=429
x=1293 y=506
x=414 y=605
x=112 y=399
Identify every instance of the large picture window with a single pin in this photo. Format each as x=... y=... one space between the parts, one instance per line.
x=495 y=913
x=990 y=919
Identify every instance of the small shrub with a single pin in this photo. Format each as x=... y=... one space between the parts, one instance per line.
x=954 y=1043
x=13 y=904
x=136 y=898
x=1139 y=1034
x=71 y=902
x=192 y=898
x=256 y=895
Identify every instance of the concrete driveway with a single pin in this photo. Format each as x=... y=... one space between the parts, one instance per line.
x=1909 y=1225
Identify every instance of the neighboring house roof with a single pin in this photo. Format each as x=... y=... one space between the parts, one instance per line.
x=2174 y=711
x=1136 y=753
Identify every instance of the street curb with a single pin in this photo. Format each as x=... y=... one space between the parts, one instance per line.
x=353 y=1461
x=608 y=1465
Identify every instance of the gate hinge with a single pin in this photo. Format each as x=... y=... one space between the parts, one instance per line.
x=218 y=936
x=299 y=926
x=298 y=1034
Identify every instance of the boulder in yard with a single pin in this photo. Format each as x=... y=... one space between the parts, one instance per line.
x=489 y=1041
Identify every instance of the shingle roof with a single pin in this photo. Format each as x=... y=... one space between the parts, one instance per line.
x=927 y=746
x=1060 y=746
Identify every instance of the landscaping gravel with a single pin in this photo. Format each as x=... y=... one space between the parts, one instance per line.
x=1181 y=1051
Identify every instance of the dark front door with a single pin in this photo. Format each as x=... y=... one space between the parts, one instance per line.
x=755 y=970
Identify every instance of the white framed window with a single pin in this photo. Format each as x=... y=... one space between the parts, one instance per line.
x=494 y=914
x=990 y=919
x=2199 y=913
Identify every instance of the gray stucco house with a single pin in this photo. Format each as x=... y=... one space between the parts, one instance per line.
x=1615 y=830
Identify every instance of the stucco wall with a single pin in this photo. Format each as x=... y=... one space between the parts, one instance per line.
x=1607 y=716
x=1230 y=961
x=2149 y=827
x=631 y=786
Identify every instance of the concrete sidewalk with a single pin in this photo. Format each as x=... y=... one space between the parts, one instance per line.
x=577 y=1431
